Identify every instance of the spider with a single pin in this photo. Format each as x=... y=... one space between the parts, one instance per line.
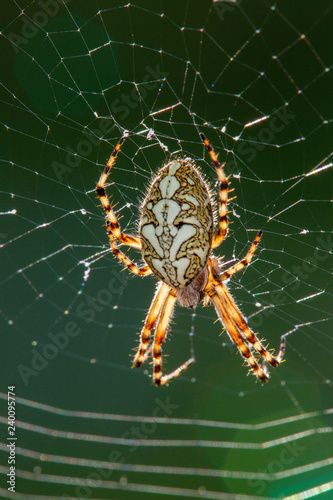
x=176 y=240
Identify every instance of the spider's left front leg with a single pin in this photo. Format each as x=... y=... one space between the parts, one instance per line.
x=160 y=334
x=127 y=239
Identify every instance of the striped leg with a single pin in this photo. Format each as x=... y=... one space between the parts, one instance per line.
x=131 y=241
x=229 y=324
x=237 y=267
x=160 y=334
x=223 y=220
x=243 y=327
x=150 y=321
x=140 y=271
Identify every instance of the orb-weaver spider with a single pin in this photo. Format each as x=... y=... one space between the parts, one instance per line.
x=176 y=240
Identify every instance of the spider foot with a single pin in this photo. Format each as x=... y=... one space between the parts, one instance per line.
x=165 y=379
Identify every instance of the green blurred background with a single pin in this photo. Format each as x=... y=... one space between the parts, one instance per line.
x=74 y=79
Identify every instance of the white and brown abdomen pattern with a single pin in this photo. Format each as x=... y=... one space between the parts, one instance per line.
x=176 y=227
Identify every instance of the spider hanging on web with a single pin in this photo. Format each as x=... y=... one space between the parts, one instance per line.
x=176 y=240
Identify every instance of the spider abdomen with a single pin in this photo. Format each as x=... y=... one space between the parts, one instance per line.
x=176 y=226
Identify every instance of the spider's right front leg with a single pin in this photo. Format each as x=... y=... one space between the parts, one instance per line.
x=223 y=218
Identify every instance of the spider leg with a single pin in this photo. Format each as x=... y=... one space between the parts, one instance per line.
x=243 y=327
x=160 y=334
x=237 y=267
x=228 y=322
x=223 y=220
x=141 y=271
x=150 y=321
x=131 y=241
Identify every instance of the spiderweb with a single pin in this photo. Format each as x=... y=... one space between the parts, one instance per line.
x=256 y=79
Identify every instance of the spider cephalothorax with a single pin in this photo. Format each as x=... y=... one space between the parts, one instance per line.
x=176 y=240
